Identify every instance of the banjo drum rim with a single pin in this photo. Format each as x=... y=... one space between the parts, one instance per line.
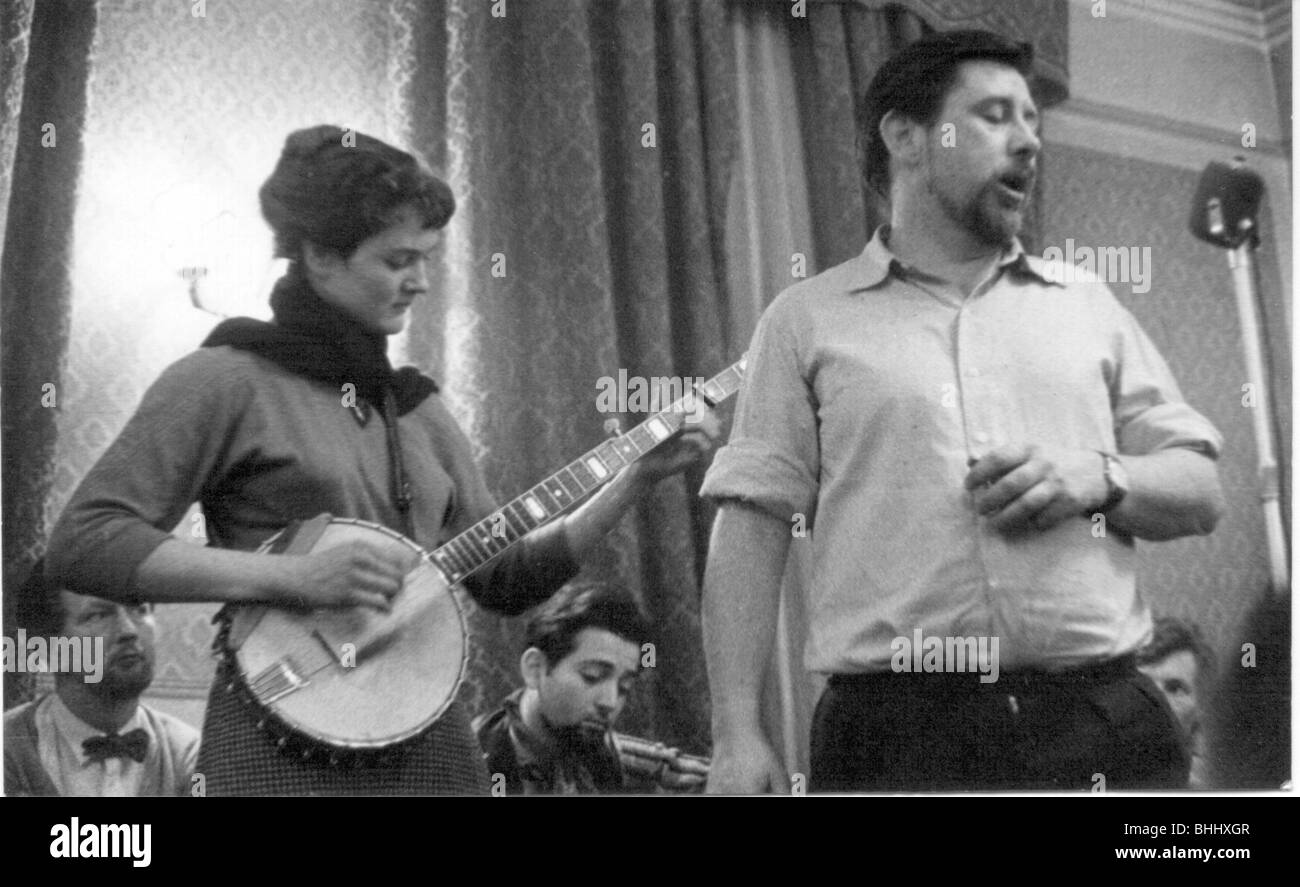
x=292 y=735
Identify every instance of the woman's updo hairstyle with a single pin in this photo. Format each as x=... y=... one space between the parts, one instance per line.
x=338 y=187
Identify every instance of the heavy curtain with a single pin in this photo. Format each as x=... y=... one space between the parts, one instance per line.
x=45 y=66
x=589 y=146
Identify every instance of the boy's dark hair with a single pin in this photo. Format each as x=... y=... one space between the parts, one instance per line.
x=337 y=187
x=554 y=628
x=915 y=83
x=1172 y=635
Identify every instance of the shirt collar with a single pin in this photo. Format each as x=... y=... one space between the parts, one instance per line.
x=530 y=750
x=75 y=731
x=876 y=263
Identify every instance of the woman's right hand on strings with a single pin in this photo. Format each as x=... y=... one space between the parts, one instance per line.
x=356 y=573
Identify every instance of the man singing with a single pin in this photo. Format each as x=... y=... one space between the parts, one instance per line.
x=974 y=444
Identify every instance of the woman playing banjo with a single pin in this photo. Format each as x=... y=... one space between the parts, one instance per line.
x=257 y=426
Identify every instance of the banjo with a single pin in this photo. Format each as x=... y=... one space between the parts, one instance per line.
x=360 y=679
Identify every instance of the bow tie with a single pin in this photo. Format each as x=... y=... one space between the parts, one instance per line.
x=131 y=744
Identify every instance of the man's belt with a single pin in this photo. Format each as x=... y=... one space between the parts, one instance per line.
x=1021 y=680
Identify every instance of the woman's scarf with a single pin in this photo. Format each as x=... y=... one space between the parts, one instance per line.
x=312 y=338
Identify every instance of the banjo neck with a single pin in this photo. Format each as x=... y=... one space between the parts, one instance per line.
x=477 y=546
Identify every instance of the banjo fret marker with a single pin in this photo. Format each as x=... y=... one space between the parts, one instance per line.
x=535 y=508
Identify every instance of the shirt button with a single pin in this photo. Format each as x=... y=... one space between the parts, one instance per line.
x=980 y=437
x=973 y=372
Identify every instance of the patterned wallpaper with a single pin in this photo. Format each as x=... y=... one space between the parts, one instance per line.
x=15 y=32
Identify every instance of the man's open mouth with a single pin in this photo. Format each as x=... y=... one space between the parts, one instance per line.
x=1016 y=185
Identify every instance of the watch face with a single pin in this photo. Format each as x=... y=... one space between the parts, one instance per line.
x=1117 y=474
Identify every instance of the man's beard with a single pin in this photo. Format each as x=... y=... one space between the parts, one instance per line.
x=128 y=682
x=983 y=214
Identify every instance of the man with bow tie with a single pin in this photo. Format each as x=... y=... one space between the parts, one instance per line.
x=92 y=736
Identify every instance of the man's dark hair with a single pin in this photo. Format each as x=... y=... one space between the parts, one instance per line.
x=915 y=82
x=40 y=610
x=1172 y=635
x=336 y=188
x=554 y=628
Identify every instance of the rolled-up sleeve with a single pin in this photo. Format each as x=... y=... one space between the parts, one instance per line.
x=1149 y=410
x=772 y=458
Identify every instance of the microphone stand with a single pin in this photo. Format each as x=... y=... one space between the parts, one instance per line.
x=1241 y=260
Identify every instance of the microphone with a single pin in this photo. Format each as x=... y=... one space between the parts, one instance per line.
x=1226 y=204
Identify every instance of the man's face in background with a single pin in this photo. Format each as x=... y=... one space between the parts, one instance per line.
x=586 y=691
x=128 y=631
x=1177 y=677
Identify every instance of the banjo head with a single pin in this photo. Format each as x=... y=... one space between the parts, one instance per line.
x=357 y=679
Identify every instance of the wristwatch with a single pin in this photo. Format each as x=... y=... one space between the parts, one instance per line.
x=1117 y=484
